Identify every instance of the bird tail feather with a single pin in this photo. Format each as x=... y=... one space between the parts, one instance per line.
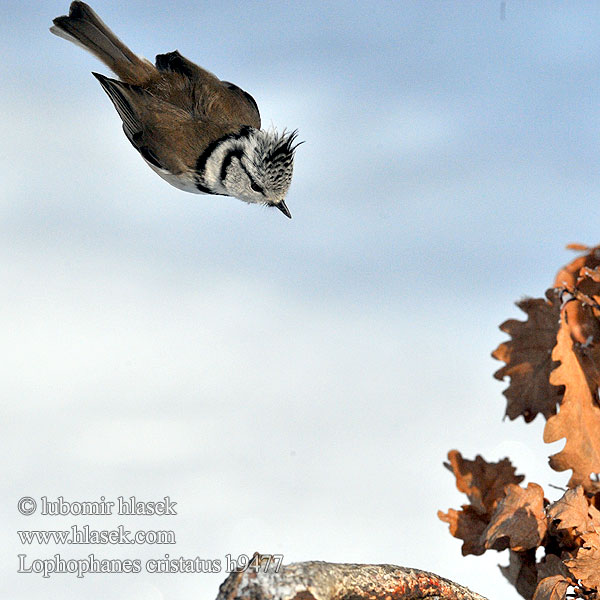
x=85 y=28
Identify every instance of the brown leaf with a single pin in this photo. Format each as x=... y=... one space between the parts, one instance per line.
x=579 y=417
x=553 y=579
x=551 y=565
x=582 y=314
x=593 y=274
x=467 y=525
x=582 y=311
x=521 y=572
x=528 y=358
x=583 y=324
x=568 y=275
x=578 y=247
x=574 y=511
x=586 y=564
x=588 y=283
x=552 y=588
x=481 y=481
x=519 y=522
x=582 y=279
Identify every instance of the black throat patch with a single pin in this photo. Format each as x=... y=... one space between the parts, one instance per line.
x=203 y=158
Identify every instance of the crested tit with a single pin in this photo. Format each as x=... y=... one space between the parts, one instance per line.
x=197 y=132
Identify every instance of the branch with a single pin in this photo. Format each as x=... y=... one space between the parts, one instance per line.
x=330 y=581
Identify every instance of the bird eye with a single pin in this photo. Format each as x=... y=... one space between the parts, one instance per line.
x=256 y=187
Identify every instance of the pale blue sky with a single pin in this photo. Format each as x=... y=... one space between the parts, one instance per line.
x=294 y=385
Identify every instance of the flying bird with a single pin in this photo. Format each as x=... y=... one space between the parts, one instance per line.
x=199 y=133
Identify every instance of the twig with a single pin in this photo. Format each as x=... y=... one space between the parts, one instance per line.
x=316 y=580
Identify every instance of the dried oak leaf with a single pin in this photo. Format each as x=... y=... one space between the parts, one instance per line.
x=579 y=417
x=582 y=310
x=581 y=278
x=528 y=358
x=467 y=525
x=586 y=564
x=552 y=588
x=593 y=274
x=584 y=326
x=519 y=521
x=483 y=482
x=521 y=572
x=577 y=247
x=574 y=511
x=568 y=275
x=552 y=565
x=553 y=579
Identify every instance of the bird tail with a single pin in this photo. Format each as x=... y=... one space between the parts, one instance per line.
x=85 y=28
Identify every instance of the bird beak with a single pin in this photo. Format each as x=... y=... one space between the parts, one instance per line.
x=284 y=209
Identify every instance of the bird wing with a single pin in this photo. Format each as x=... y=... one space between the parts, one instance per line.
x=246 y=104
x=173 y=62
x=220 y=101
x=136 y=107
x=167 y=136
x=121 y=94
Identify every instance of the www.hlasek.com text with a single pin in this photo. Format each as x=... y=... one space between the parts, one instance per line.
x=83 y=534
